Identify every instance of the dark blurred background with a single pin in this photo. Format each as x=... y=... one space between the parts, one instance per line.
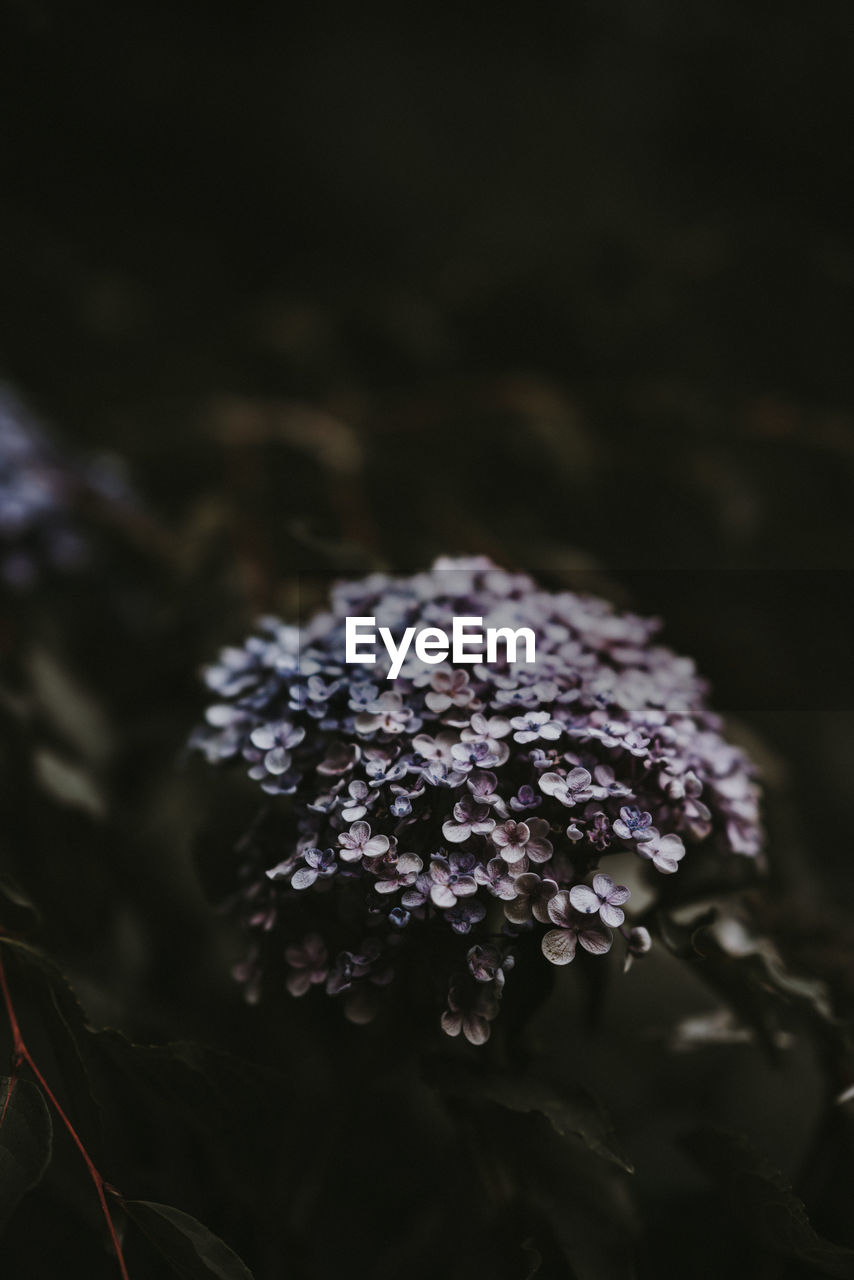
x=573 y=287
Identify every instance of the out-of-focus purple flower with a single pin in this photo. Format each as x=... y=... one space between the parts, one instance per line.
x=308 y=963
x=449 y=689
x=534 y=725
x=340 y=758
x=665 y=852
x=386 y=713
x=604 y=898
x=47 y=497
x=639 y=943
x=465 y=915
x=471 y=1008
x=397 y=873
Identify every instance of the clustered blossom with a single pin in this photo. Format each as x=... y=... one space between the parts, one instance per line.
x=455 y=811
x=40 y=493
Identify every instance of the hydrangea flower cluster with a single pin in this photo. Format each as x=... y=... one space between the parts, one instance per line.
x=454 y=811
x=40 y=490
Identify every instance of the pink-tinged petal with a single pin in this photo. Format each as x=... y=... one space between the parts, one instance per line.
x=455 y=833
x=539 y=850
x=602 y=884
x=483 y=827
x=612 y=916
x=538 y=828
x=578 y=778
x=584 y=899
x=366 y=723
x=409 y=862
x=452 y=1023
x=376 y=847
x=304 y=878
x=476 y=1028
x=519 y=911
x=360 y=832
x=540 y=909
x=621 y=830
x=465 y=887
x=440 y=870
x=560 y=909
x=558 y=945
x=351 y=814
x=438 y=702
x=596 y=941
x=501 y=836
x=277 y=761
x=298 y=983
x=513 y=853
x=386 y=886
x=501 y=752
x=351 y=855
x=551 y=783
x=618 y=895
x=442 y=896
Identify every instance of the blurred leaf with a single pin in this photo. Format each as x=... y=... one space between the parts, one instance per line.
x=70 y=709
x=26 y=1136
x=192 y=1251
x=18 y=913
x=576 y=1114
x=762 y=1200
x=69 y=784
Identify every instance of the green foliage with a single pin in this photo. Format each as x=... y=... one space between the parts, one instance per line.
x=25 y=1141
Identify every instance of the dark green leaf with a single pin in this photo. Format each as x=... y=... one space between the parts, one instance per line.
x=25 y=1142
x=571 y=1114
x=192 y=1251
x=764 y=1202
x=47 y=1004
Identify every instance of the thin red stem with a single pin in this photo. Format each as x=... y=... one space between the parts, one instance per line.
x=22 y=1055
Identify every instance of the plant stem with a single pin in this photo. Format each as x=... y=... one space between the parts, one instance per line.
x=22 y=1056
